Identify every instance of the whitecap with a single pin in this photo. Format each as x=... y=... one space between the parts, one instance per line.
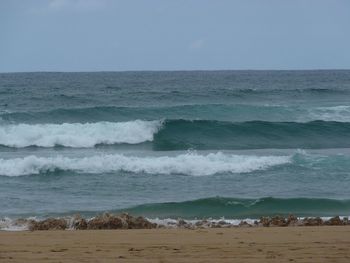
x=340 y=113
x=82 y=135
x=190 y=163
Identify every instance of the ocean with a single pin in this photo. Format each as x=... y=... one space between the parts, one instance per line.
x=181 y=144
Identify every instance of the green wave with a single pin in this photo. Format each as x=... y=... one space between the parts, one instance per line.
x=219 y=112
x=205 y=135
x=237 y=208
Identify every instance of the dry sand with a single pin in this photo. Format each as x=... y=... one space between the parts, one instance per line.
x=274 y=244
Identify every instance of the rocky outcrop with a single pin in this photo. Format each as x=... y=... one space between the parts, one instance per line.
x=183 y=224
x=279 y=221
x=79 y=223
x=264 y=221
x=106 y=221
x=335 y=221
x=48 y=224
x=126 y=221
x=244 y=224
x=140 y=222
x=292 y=220
x=316 y=221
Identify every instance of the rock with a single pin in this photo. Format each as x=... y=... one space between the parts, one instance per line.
x=292 y=220
x=215 y=225
x=199 y=223
x=244 y=224
x=126 y=220
x=105 y=221
x=181 y=223
x=265 y=221
x=48 y=224
x=334 y=221
x=140 y=223
x=202 y=224
x=278 y=221
x=79 y=223
x=130 y=222
x=317 y=221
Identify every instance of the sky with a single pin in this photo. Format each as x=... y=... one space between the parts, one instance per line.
x=119 y=35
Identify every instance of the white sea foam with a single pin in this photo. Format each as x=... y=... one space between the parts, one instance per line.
x=77 y=134
x=339 y=113
x=189 y=164
x=173 y=223
x=8 y=224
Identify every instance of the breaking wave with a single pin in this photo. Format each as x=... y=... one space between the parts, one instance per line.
x=206 y=135
x=188 y=164
x=77 y=134
x=180 y=134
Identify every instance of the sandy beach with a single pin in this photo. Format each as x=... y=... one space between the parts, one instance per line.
x=273 y=244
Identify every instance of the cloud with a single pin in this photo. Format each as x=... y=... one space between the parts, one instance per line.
x=196 y=44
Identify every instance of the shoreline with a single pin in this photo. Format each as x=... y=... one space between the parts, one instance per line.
x=254 y=244
x=108 y=221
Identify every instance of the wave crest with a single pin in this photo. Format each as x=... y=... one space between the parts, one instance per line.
x=180 y=134
x=78 y=134
x=216 y=207
x=188 y=164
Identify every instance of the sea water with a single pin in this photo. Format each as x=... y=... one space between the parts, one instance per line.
x=198 y=144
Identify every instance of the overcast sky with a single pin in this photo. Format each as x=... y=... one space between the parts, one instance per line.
x=108 y=35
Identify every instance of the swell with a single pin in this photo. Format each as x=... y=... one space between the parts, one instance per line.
x=222 y=207
x=217 y=207
x=203 y=134
x=181 y=134
x=219 y=112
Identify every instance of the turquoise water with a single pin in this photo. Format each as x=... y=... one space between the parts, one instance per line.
x=237 y=144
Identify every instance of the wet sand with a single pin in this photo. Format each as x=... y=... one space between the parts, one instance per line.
x=272 y=244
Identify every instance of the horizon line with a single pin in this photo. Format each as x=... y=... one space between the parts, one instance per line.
x=175 y=70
